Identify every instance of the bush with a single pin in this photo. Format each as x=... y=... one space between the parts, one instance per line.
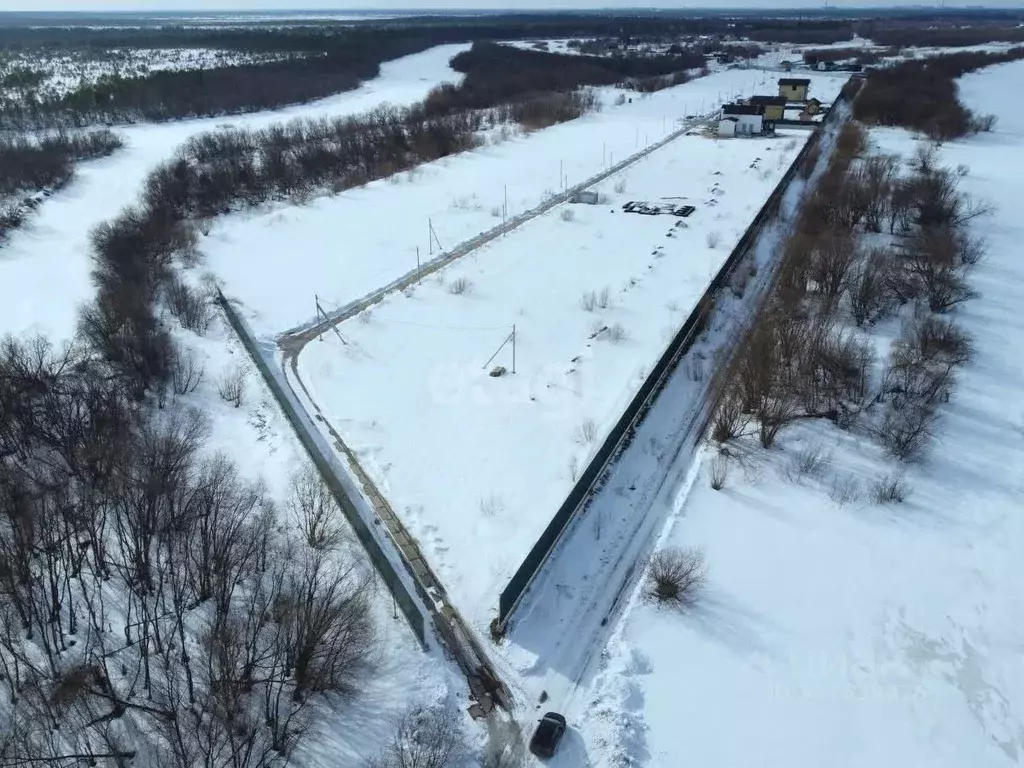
x=567 y=214
x=907 y=432
x=714 y=239
x=719 y=472
x=588 y=301
x=232 y=386
x=460 y=286
x=890 y=489
x=729 y=421
x=676 y=576
x=187 y=373
x=844 y=490
x=809 y=461
x=192 y=310
x=616 y=334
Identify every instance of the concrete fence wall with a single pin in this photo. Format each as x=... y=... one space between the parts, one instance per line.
x=310 y=438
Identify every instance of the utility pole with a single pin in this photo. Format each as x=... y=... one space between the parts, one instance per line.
x=417 y=258
x=513 y=348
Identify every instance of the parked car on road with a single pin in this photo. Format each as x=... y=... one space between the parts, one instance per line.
x=549 y=733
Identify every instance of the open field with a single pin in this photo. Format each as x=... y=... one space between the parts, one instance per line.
x=342 y=247
x=475 y=464
x=834 y=626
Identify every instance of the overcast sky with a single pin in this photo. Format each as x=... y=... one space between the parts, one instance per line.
x=243 y=5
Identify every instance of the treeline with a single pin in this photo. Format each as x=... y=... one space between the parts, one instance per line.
x=948 y=37
x=332 y=58
x=813 y=56
x=496 y=74
x=29 y=165
x=922 y=95
x=801 y=361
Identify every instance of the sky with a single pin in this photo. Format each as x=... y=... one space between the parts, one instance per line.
x=385 y=5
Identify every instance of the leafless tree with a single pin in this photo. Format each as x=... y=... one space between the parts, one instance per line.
x=314 y=507
x=187 y=373
x=425 y=737
x=869 y=287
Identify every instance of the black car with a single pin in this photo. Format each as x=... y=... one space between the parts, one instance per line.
x=550 y=731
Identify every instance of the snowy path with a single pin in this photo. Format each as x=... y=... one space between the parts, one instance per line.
x=45 y=268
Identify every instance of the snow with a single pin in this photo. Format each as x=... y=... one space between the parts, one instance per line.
x=340 y=248
x=856 y=634
x=48 y=259
x=474 y=464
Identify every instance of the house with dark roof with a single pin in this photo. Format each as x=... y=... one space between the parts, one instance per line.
x=748 y=119
x=794 y=88
x=774 y=106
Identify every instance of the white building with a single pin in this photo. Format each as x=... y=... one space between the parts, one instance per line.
x=727 y=127
x=749 y=118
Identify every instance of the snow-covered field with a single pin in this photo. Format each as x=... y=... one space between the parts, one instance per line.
x=340 y=248
x=476 y=465
x=44 y=269
x=855 y=635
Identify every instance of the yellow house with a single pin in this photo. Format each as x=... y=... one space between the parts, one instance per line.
x=794 y=89
x=774 y=106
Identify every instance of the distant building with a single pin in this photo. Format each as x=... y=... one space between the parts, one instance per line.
x=774 y=106
x=749 y=118
x=727 y=127
x=787 y=66
x=812 y=106
x=794 y=89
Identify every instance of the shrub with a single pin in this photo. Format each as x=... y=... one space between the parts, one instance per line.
x=729 y=420
x=616 y=334
x=588 y=301
x=714 y=239
x=844 y=490
x=809 y=461
x=186 y=373
x=232 y=386
x=906 y=432
x=676 y=576
x=460 y=286
x=192 y=309
x=587 y=432
x=890 y=489
x=719 y=472
x=567 y=214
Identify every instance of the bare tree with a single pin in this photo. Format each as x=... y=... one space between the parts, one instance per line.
x=316 y=510
x=425 y=737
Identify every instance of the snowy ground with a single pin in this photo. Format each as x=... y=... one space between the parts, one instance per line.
x=340 y=248
x=474 y=464
x=854 y=634
x=49 y=257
